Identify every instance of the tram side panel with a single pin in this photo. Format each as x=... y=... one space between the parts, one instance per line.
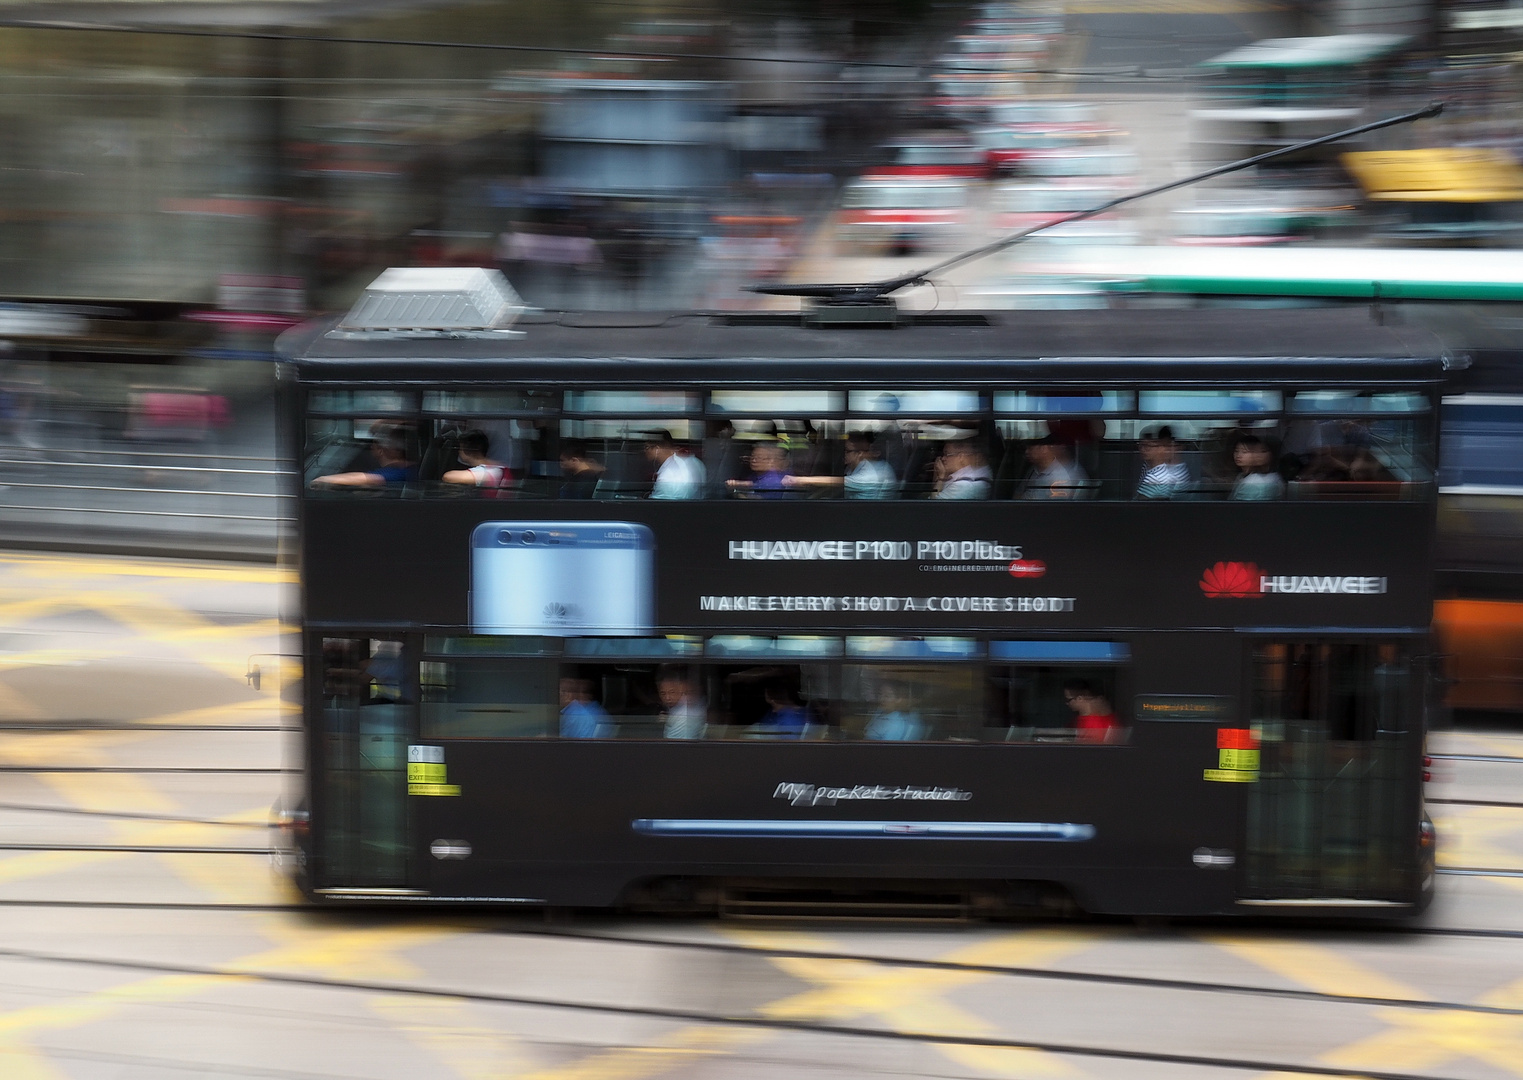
x=1139 y=826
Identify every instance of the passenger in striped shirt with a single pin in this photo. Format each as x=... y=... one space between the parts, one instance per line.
x=1164 y=476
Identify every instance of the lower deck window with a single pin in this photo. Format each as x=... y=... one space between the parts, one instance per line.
x=786 y=688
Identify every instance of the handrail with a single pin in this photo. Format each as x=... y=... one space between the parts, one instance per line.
x=166 y=468
x=151 y=490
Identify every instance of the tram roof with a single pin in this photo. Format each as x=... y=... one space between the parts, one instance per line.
x=1090 y=344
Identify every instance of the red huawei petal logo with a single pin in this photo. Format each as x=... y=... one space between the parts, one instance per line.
x=1231 y=579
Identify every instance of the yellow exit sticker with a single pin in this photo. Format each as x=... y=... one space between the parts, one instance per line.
x=426 y=774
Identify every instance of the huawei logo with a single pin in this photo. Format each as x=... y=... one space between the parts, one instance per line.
x=554 y=612
x=1233 y=580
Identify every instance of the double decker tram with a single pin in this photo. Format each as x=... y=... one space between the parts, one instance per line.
x=1126 y=610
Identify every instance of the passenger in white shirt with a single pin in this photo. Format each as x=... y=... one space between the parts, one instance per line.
x=1055 y=474
x=687 y=714
x=480 y=470
x=868 y=476
x=679 y=475
x=962 y=472
x=1257 y=480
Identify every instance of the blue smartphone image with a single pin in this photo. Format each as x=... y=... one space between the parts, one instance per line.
x=562 y=578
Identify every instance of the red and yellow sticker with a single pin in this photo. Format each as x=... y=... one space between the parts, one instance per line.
x=1237 y=753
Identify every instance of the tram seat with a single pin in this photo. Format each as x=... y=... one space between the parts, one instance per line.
x=438 y=459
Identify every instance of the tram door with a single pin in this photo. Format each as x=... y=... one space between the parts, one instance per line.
x=1330 y=816
x=367 y=715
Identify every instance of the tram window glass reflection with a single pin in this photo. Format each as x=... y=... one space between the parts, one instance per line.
x=800 y=402
x=780 y=701
x=1355 y=402
x=897 y=702
x=610 y=701
x=1077 y=402
x=495 y=401
x=486 y=698
x=914 y=402
x=326 y=402
x=1345 y=692
x=633 y=402
x=1359 y=457
x=1053 y=703
x=1208 y=402
x=647 y=458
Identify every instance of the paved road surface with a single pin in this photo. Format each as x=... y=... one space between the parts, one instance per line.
x=146 y=936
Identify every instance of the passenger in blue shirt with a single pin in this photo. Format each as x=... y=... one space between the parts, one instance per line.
x=784 y=719
x=769 y=473
x=392 y=467
x=896 y=719
x=581 y=716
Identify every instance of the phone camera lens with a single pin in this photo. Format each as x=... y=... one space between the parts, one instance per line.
x=529 y=537
x=504 y=537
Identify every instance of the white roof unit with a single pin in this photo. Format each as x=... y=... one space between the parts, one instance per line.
x=436 y=299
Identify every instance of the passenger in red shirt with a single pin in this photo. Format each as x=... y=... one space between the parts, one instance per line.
x=1096 y=721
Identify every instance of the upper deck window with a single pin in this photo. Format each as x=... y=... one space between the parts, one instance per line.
x=1208 y=402
x=634 y=402
x=776 y=402
x=917 y=648
x=495 y=402
x=911 y=402
x=1350 y=402
x=794 y=646
x=364 y=402
x=1078 y=402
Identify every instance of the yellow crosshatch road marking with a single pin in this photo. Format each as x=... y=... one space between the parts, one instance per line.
x=911 y=999
x=79 y=566
x=1467 y=837
x=345 y=953
x=1417 y=1039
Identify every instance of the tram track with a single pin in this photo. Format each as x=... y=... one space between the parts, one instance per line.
x=753 y=1021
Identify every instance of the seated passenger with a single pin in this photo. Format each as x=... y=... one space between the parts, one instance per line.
x=686 y=712
x=785 y=718
x=1055 y=475
x=962 y=471
x=581 y=715
x=896 y=719
x=1164 y=476
x=770 y=478
x=1096 y=721
x=480 y=470
x=868 y=476
x=393 y=467
x=579 y=473
x=1257 y=479
x=679 y=475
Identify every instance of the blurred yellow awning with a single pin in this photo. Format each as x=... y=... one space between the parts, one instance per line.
x=1442 y=174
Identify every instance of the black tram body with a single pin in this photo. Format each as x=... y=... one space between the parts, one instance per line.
x=1268 y=660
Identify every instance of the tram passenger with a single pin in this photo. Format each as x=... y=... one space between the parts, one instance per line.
x=770 y=478
x=1056 y=475
x=393 y=464
x=1097 y=722
x=579 y=473
x=1164 y=475
x=1257 y=479
x=785 y=718
x=480 y=470
x=868 y=476
x=581 y=715
x=682 y=703
x=679 y=475
x=896 y=720
x=962 y=471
